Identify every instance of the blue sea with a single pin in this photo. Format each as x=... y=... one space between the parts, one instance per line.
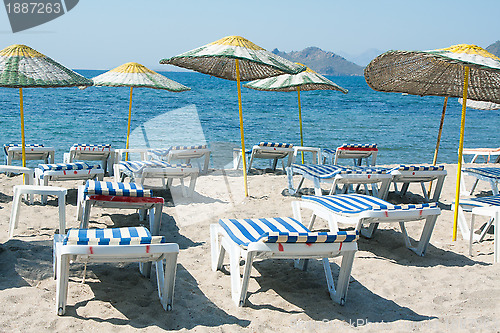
x=405 y=127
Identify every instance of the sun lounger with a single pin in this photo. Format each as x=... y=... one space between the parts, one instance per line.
x=487 y=174
x=279 y=238
x=357 y=152
x=133 y=244
x=358 y=210
x=139 y=171
x=477 y=206
x=87 y=152
x=32 y=151
x=119 y=195
x=185 y=154
x=340 y=176
x=273 y=151
x=67 y=171
x=490 y=155
x=406 y=174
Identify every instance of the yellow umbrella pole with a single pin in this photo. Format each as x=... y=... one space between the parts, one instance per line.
x=23 y=145
x=241 y=128
x=434 y=161
x=129 y=119
x=300 y=121
x=460 y=150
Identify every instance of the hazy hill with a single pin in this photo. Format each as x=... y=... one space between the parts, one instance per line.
x=322 y=62
x=494 y=48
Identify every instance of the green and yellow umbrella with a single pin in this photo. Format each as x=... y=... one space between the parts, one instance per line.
x=23 y=67
x=303 y=81
x=463 y=70
x=135 y=75
x=238 y=59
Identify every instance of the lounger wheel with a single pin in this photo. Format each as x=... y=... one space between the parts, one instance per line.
x=342 y=301
x=169 y=307
x=60 y=311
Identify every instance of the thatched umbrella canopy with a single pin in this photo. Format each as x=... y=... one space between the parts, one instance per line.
x=463 y=70
x=23 y=67
x=134 y=75
x=304 y=81
x=238 y=59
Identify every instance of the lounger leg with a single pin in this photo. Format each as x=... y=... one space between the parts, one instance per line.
x=86 y=214
x=217 y=250
x=234 y=269
x=340 y=294
x=471 y=238
x=462 y=223
x=317 y=186
x=424 y=191
x=494 y=187
x=192 y=183
x=289 y=175
x=250 y=162
x=368 y=232
x=61 y=201
x=14 y=215
x=62 y=277
x=424 y=238
x=275 y=162
x=166 y=280
x=246 y=277
x=79 y=203
x=404 y=188
x=473 y=186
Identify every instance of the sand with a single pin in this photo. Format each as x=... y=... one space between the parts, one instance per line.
x=391 y=288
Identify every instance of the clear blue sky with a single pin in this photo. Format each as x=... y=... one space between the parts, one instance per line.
x=103 y=34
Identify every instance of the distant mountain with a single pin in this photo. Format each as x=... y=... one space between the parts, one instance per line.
x=322 y=62
x=364 y=58
x=494 y=48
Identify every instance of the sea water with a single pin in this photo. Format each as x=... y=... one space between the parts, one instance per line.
x=405 y=127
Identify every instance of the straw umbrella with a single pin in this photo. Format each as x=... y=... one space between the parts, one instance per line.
x=238 y=59
x=304 y=81
x=134 y=75
x=463 y=70
x=23 y=67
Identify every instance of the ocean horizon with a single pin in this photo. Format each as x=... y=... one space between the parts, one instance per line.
x=404 y=127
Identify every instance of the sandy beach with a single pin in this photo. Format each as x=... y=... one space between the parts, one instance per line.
x=391 y=288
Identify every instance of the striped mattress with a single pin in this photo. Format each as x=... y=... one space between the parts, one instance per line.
x=279 y=230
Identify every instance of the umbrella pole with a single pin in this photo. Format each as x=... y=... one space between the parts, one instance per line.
x=300 y=121
x=129 y=120
x=434 y=161
x=23 y=142
x=460 y=151
x=241 y=127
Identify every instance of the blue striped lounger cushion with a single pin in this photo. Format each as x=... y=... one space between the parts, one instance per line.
x=116 y=188
x=11 y=145
x=358 y=146
x=279 y=230
x=112 y=236
x=275 y=144
x=356 y=203
x=493 y=173
x=138 y=166
x=326 y=171
x=68 y=166
x=403 y=167
x=189 y=147
x=328 y=151
x=83 y=146
x=493 y=200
